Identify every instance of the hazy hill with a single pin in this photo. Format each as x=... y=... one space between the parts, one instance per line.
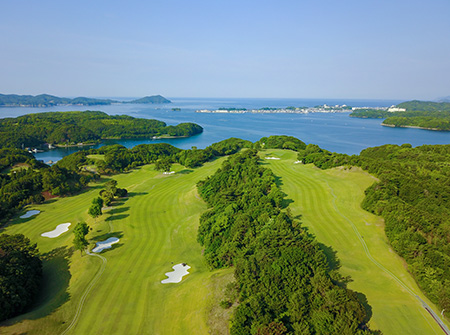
x=154 y=99
x=46 y=100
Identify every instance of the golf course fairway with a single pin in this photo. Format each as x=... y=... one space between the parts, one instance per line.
x=157 y=227
x=119 y=290
x=329 y=204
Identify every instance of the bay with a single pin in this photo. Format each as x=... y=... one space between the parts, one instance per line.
x=332 y=131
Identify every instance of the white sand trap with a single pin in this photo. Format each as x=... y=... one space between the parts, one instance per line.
x=177 y=274
x=297 y=162
x=106 y=244
x=29 y=214
x=171 y=172
x=272 y=158
x=61 y=228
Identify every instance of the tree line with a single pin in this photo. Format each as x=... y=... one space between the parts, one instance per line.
x=284 y=281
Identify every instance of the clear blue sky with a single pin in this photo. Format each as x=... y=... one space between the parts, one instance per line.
x=374 y=49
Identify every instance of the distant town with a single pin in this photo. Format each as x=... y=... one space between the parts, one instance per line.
x=300 y=110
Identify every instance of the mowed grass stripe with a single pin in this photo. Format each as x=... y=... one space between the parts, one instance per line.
x=164 y=220
x=140 y=242
x=395 y=311
x=158 y=236
x=160 y=228
x=310 y=193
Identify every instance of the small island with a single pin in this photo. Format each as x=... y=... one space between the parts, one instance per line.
x=154 y=99
x=82 y=128
x=46 y=100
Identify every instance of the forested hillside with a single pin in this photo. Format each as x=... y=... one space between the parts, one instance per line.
x=429 y=106
x=439 y=120
x=421 y=114
x=413 y=196
x=284 y=282
x=80 y=127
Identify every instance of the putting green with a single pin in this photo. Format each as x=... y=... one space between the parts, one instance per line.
x=329 y=203
x=157 y=226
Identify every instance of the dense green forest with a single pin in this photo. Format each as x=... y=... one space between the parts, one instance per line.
x=33 y=130
x=31 y=180
x=284 y=281
x=428 y=106
x=422 y=114
x=46 y=100
x=413 y=196
x=370 y=113
x=429 y=120
x=20 y=274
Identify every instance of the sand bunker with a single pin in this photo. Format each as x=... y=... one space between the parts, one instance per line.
x=30 y=214
x=106 y=244
x=171 y=172
x=177 y=274
x=62 y=228
x=297 y=162
x=272 y=158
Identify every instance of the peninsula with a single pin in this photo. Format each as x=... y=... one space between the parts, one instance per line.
x=427 y=115
x=80 y=128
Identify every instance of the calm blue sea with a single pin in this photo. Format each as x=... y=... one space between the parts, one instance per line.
x=335 y=131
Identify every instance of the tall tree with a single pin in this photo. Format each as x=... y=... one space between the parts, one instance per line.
x=96 y=208
x=163 y=164
x=80 y=231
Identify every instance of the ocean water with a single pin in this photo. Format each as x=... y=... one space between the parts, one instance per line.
x=332 y=131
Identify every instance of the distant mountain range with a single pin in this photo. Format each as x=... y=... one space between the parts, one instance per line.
x=444 y=99
x=46 y=100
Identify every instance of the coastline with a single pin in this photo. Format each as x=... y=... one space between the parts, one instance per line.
x=413 y=127
x=118 y=138
x=74 y=145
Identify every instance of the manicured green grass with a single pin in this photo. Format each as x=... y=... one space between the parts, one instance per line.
x=96 y=157
x=157 y=226
x=329 y=205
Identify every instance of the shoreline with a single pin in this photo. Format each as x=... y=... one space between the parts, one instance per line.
x=413 y=127
x=116 y=138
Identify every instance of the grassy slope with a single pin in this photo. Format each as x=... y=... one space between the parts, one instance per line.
x=329 y=204
x=157 y=225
